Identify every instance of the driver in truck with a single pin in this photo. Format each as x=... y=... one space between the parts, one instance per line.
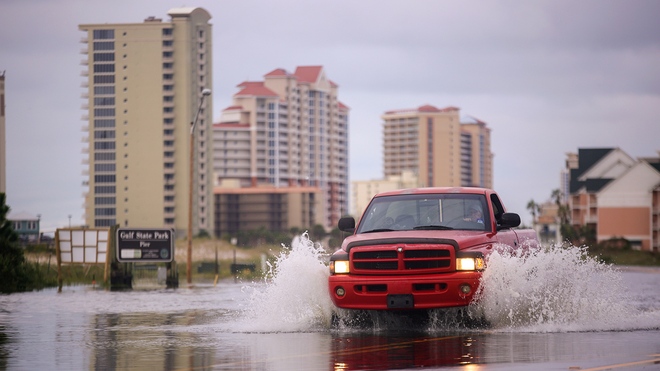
x=475 y=215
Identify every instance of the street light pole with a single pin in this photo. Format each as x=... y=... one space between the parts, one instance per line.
x=205 y=92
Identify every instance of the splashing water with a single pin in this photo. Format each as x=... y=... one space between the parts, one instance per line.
x=550 y=289
x=557 y=288
x=295 y=295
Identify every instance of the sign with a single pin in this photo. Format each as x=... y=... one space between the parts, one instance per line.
x=145 y=245
x=83 y=246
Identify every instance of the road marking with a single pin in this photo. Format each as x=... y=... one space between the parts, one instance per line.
x=655 y=360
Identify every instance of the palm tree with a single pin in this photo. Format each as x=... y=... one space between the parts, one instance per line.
x=534 y=209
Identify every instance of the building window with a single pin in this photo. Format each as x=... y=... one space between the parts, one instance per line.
x=104 y=45
x=104 y=178
x=107 y=123
x=104 y=79
x=167 y=31
x=104 y=112
x=109 y=101
x=104 y=222
x=104 y=145
x=104 y=200
x=104 y=156
x=104 y=90
x=104 y=167
x=104 y=68
x=104 y=134
x=103 y=34
x=104 y=57
x=104 y=189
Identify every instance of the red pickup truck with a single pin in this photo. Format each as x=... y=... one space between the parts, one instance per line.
x=421 y=248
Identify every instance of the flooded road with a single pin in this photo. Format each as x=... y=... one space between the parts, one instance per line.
x=602 y=318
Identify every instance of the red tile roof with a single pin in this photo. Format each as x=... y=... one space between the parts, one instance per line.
x=255 y=88
x=278 y=72
x=424 y=108
x=230 y=108
x=308 y=73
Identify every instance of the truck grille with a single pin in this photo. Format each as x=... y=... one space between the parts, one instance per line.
x=411 y=259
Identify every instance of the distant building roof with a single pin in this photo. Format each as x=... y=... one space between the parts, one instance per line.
x=588 y=157
x=308 y=73
x=424 y=108
x=21 y=215
x=278 y=72
x=255 y=88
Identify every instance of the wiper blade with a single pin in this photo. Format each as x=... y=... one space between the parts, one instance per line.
x=433 y=227
x=379 y=230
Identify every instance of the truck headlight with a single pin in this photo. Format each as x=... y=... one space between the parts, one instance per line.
x=339 y=267
x=470 y=264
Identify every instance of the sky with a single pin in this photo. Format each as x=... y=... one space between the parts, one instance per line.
x=548 y=77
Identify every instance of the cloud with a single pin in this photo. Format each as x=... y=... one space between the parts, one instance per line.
x=548 y=77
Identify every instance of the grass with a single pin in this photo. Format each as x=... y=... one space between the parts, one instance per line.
x=626 y=257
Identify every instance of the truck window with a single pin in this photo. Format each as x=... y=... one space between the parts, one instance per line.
x=425 y=211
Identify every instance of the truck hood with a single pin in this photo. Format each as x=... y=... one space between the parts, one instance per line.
x=464 y=239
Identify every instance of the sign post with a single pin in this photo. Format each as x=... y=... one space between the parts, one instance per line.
x=145 y=245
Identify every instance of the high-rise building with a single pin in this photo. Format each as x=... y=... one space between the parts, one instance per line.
x=476 y=156
x=3 y=139
x=435 y=145
x=144 y=87
x=289 y=130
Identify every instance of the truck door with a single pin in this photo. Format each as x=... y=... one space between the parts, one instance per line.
x=506 y=236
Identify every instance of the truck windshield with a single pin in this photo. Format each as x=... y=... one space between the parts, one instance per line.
x=426 y=212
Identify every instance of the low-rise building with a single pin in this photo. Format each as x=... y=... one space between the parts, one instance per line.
x=274 y=208
x=26 y=225
x=363 y=190
x=616 y=196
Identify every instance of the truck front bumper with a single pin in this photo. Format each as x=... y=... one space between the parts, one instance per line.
x=403 y=292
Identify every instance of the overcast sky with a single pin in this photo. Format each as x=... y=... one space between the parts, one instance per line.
x=548 y=77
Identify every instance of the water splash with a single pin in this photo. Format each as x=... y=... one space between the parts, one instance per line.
x=294 y=296
x=549 y=289
x=555 y=289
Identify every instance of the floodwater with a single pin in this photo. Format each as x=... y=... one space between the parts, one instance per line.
x=552 y=310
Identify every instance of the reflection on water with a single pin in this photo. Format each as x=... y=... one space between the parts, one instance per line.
x=378 y=352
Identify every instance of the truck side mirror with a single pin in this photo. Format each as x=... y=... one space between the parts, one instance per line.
x=346 y=224
x=508 y=220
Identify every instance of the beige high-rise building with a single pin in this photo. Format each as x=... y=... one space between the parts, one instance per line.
x=289 y=130
x=144 y=84
x=435 y=145
x=476 y=155
x=3 y=139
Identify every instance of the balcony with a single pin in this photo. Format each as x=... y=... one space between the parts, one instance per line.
x=591 y=220
x=84 y=51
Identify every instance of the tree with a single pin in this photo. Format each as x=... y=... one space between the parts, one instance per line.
x=7 y=233
x=534 y=209
x=562 y=208
x=14 y=269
